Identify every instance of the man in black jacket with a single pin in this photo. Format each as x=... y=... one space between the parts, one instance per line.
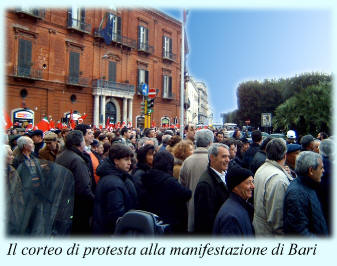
x=73 y=159
x=211 y=191
x=254 y=147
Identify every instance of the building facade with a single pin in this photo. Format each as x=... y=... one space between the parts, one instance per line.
x=192 y=101
x=203 y=103
x=92 y=61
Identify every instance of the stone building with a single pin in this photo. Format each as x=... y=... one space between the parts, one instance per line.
x=92 y=61
x=203 y=103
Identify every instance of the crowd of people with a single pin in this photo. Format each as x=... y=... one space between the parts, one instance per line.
x=81 y=181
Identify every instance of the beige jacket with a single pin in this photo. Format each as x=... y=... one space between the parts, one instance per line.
x=271 y=182
x=190 y=172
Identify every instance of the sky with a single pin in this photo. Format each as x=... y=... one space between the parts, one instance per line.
x=230 y=46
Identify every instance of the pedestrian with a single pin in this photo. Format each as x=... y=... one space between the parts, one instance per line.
x=302 y=210
x=211 y=190
x=307 y=143
x=253 y=148
x=271 y=182
x=51 y=148
x=260 y=156
x=291 y=137
x=37 y=137
x=293 y=150
x=193 y=167
x=236 y=214
x=115 y=193
x=165 y=196
x=181 y=151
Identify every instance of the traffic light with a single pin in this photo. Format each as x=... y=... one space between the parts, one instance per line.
x=150 y=104
x=143 y=108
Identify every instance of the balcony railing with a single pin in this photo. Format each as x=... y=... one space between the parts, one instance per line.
x=78 y=25
x=27 y=72
x=115 y=37
x=169 y=56
x=74 y=80
x=145 y=47
x=32 y=12
x=112 y=85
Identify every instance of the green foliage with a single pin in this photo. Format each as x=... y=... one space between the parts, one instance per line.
x=308 y=111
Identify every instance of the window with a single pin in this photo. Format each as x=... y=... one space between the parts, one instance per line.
x=143 y=38
x=167 y=47
x=167 y=86
x=74 y=66
x=114 y=27
x=77 y=18
x=112 y=71
x=143 y=77
x=24 y=57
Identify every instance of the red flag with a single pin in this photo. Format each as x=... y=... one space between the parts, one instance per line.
x=43 y=124
x=178 y=125
x=171 y=126
x=8 y=121
x=123 y=124
x=51 y=124
x=107 y=123
x=129 y=124
x=59 y=124
x=100 y=127
x=153 y=124
x=84 y=116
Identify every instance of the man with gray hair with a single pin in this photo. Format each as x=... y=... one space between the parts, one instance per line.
x=211 y=190
x=324 y=191
x=271 y=182
x=302 y=210
x=193 y=167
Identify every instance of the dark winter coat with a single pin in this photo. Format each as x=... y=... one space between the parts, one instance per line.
x=258 y=159
x=76 y=162
x=115 y=195
x=302 y=213
x=249 y=154
x=137 y=180
x=210 y=193
x=324 y=191
x=167 y=198
x=234 y=218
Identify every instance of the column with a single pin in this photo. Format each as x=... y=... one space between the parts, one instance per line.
x=124 y=109
x=96 y=111
x=130 y=102
x=103 y=110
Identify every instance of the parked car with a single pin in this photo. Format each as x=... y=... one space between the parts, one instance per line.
x=278 y=135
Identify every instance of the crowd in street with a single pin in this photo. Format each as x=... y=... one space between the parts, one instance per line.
x=81 y=181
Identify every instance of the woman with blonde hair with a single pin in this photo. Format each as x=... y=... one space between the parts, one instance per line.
x=181 y=151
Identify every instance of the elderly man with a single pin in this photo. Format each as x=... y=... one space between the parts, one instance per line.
x=193 y=167
x=302 y=210
x=271 y=182
x=211 y=191
x=307 y=143
x=74 y=159
x=51 y=149
x=25 y=146
x=235 y=215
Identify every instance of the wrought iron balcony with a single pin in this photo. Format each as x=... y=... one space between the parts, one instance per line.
x=32 y=12
x=145 y=47
x=111 y=37
x=169 y=56
x=78 y=25
x=112 y=85
x=75 y=80
x=27 y=72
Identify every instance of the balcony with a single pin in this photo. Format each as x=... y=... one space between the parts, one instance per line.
x=31 y=12
x=169 y=56
x=77 y=81
x=78 y=25
x=145 y=48
x=27 y=72
x=115 y=38
x=112 y=88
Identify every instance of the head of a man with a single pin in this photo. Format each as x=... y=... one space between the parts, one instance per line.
x=293 y=150
x=204 y=138
x=126 y=133
x=37 y=136
x=87 y=132
x=219 y=136
x=276 y=150
x=164 y=161
x=190 y=132
x=291 y=136
x=232 y=147
x=51 y=141
x=121 y=155
x=326 y=148
x=74 y=139
x=307 y=143
x=218 y=155
x=310 y=164
x=25 y=145
x=257 y=136
x=240 y=181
